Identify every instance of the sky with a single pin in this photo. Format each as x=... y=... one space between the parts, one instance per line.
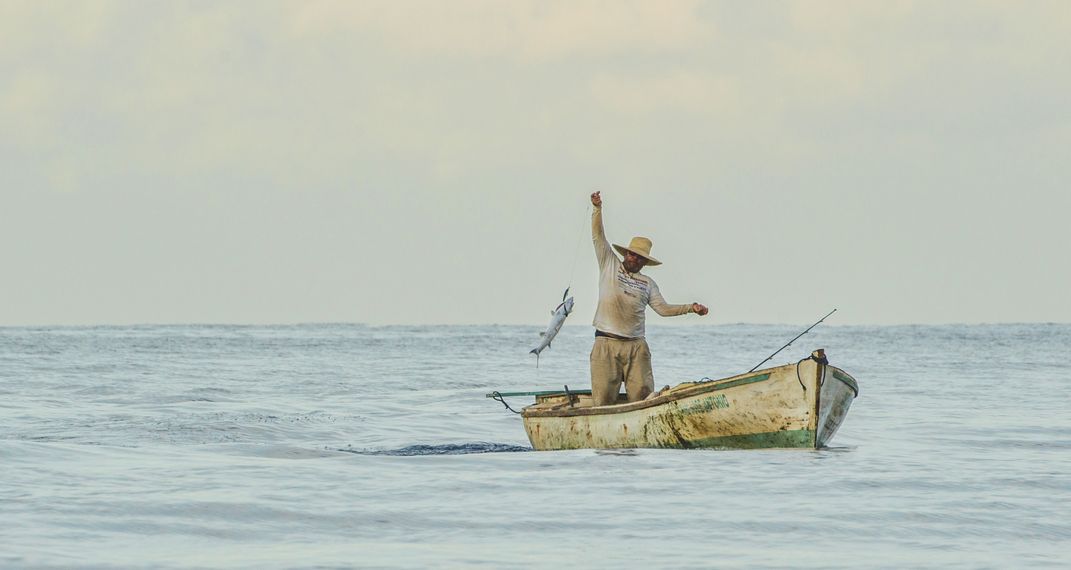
x=430 y=162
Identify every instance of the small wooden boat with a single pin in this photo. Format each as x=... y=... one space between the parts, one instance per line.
x=797 y=405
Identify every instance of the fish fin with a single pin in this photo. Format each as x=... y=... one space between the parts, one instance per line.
x=535 y=352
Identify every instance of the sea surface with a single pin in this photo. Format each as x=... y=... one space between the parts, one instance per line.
x=351 y=446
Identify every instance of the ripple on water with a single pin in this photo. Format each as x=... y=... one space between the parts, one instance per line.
x=447 y=449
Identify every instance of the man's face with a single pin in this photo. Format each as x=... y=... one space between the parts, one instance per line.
x=633 y=263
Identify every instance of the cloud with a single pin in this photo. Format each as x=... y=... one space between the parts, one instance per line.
x=35 y=28
x=692 y=91
x=521 y=31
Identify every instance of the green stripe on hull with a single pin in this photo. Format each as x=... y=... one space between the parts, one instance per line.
x=774 y=439
x=797 y=439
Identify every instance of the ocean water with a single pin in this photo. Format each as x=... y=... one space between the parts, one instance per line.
x=339 y=446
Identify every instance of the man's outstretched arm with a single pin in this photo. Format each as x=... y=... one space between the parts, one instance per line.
x=659 y=304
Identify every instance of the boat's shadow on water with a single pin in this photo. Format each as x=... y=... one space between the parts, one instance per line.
x=628 y=452
x=447 y=449
x=486 y=447
x=836 y=449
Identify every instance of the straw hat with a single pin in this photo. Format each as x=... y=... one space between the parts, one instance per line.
x=641 y=246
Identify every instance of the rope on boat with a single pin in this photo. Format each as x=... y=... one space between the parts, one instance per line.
x=823 y=361
x=498 y=398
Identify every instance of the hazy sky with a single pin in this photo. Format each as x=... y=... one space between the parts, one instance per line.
x=430 y=162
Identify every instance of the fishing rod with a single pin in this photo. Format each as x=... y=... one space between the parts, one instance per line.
x=793 y=340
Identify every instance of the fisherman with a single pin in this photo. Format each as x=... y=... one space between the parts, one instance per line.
x=620 y=352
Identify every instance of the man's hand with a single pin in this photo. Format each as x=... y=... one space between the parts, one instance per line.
x=596 y=199
x=700 y=310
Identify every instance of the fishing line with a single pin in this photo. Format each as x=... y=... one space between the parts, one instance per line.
x=564 y=309
x=579 y=240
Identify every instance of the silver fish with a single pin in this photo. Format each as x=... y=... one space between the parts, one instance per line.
x=557 y=319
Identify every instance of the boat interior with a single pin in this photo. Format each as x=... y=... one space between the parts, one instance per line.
x=583 y=399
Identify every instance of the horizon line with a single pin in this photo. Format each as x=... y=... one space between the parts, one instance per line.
x=388 y=325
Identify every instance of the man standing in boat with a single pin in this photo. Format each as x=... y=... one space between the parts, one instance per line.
x=620 y=353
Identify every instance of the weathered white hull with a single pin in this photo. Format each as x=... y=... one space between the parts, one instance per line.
x=791 y=406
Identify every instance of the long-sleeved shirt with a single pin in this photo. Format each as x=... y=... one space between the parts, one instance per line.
x=624 y=296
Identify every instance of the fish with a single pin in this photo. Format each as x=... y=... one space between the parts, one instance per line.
x=557 y=319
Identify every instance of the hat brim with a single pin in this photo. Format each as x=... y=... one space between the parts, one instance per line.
x=650 y=260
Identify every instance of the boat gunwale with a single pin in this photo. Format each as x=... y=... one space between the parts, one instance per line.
x=847 y=379
x=700 y=387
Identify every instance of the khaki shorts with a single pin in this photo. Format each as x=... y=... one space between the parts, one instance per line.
x=615 y=361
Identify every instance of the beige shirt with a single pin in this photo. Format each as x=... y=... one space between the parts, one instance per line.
x=624 y=296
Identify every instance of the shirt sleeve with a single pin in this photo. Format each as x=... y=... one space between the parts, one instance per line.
x=603 y=253
x=659 y=304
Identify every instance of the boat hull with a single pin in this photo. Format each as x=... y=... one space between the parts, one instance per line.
x=792 y=406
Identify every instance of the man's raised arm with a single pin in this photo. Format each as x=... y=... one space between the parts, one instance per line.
x=598 y=234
